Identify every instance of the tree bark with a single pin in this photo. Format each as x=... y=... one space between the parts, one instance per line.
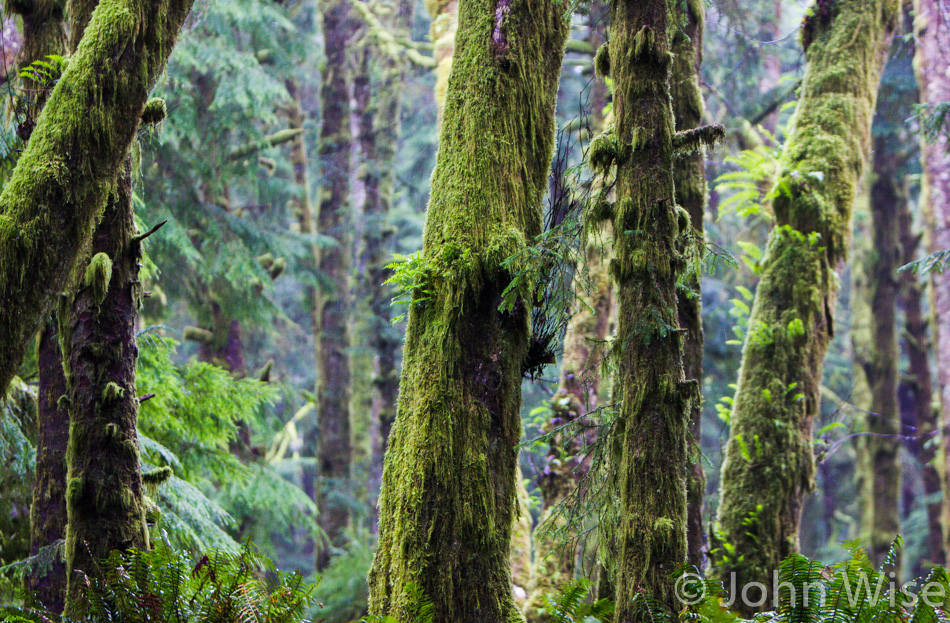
x=104 y=498
x=932 y=27
x=647 y=531
x=332 y=334
x=769 y=466
x=448 y=496
x=690 y=182
x=60 y=185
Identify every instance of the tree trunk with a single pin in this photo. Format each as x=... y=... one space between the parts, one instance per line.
x=44 y=35
x=448 y=493
x=60 y=184
x=769 y=467
x=648 y=453
x=379 y=136
x=690 y=181
x=333 y=375
x=104 y=499
x=47 y=587
x=932 y=26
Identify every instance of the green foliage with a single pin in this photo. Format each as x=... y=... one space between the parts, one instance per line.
x=571 y=605
x=17 y=460
x=934 y=120
x=163 y=585
x=45 y=72
x=746 y=190
x=344 y=590
x=936 y=262
x=412 y=281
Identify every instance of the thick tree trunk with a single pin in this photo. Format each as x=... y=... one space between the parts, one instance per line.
x=60 y=185
x=448 y=496
x=690 y=182
x=333 y=374
x=649 y=448
x=932 y=26
x=769 y=466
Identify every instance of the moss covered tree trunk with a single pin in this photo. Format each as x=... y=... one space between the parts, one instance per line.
x=448 y=495
x=690 y=182
x=932 y=27
x=915 y=391
x=333 y=372
x=59 y=187
x=769 y=467
x=649 y=450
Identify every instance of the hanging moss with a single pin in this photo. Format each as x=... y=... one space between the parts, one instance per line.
x=778 y=396
x=98 y=275
x=448 y=497
x=59 y=187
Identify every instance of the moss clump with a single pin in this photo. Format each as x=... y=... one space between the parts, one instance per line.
x=98 y=275
x=157 y=476
x=603 y=151
x=602 y=61
x=154 y=112
x=112 y=392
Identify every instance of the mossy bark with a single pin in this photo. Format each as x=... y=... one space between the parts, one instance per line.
x=333 y=373
x=649 y=450
x=690 y=181
x=60 y=184
x=933 y=40
x=448 y=495
x=48 y=511
x=104 y=497
x=915 y=391
x=769 y=465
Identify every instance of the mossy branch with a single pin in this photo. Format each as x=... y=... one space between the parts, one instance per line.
x=692 y=141
x=277 y=138
x=396 y=48
x=59 y=187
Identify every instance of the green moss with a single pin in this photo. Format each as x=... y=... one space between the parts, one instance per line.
x=112 y=392
x=603 y=151
x=154 y=112
x=447 y=502
x=98 y=275
x=602 y=61
x=58 y=189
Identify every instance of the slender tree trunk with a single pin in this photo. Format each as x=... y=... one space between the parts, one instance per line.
x=448 y=496
x=61 y=182
x=915 y=392
x=874 y=334
x=932 y=26
x=48 y=512
x=769 y=466
x=383 y=126
x=445 y=19
x=44 y=35
x=649 y=448
x=333 y=376
x=690 y=182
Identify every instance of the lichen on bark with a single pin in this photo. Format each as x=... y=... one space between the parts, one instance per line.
x=769 y=466
x=448 y=495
